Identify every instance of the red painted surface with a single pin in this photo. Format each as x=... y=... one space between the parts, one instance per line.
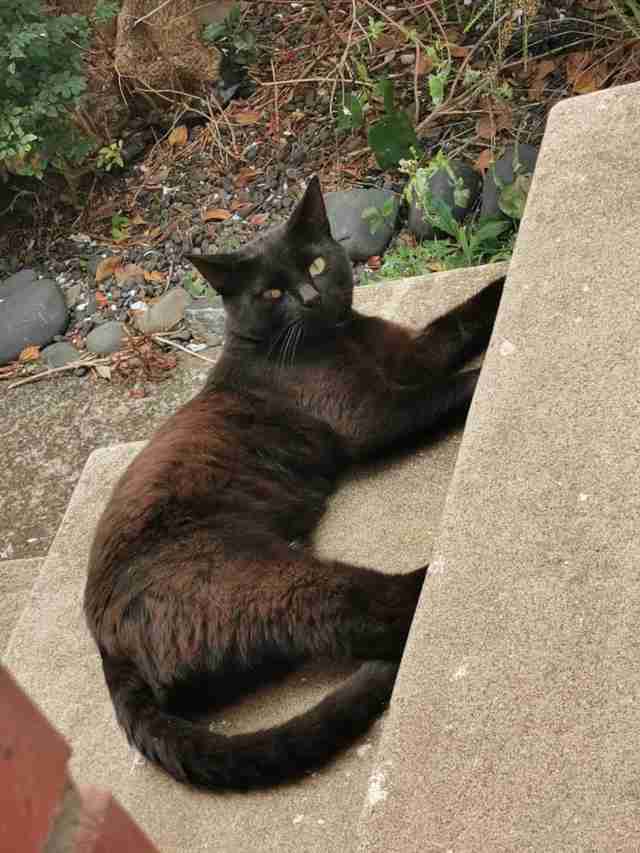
x=33 y=771
x=33 y=779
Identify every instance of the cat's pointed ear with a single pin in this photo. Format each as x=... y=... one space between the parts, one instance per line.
x=217 y=269
x=310 y=215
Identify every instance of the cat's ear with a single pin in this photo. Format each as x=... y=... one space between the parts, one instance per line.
x=310 y=215
x=217 y=269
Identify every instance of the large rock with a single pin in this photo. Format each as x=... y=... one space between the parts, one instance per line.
x=164 y=314
x=345 y=211
x=32 y=312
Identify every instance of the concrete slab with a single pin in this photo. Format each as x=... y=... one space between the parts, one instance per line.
x=375 y=518
x=515 y=721
x=16 y=580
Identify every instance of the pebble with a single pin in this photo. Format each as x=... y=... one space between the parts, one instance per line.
x=57 y=355
x=164 y=314
x=106 y=338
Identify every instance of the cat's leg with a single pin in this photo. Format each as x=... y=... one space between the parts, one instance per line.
x=451 y=340
x=383 y=421
x=295 y=606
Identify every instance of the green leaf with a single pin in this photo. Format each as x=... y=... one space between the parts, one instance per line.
x=391 y=139
x=436 y=88
x=513 y=197
x=489 y=229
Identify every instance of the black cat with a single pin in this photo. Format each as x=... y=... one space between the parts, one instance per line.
x=195 y=592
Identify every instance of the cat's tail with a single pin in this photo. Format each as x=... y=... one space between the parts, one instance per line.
x=191 y=753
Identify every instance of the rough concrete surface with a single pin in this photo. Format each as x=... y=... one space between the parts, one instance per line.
x=386 y=518
x=49 y=428
x=516 y=717
x=16 y=580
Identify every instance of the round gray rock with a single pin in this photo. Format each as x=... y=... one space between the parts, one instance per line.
x=517 y=160
x=443 y=186
x=57 y=355
x=32 y=313
x=106 y=339
x=345 y=211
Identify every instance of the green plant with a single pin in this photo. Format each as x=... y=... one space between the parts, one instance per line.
x=41 y=83
x=417 y=188
x=120 y=227
x=109 y=156
x=230 y=33
x=104 y=11
x=392 y=137
x=375 y=28
x=440 y=74
x=377 y=217
x=196 y=286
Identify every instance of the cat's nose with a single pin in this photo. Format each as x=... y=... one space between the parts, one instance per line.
x=308 y=294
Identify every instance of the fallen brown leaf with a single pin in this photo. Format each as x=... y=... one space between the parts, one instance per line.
x=101 y=299
x=425 y=64
x=216 y=214
x=258 y=219
x=374 y=262
x=584 y=73
x=458 y=51
x=486 y=127
x=538 y=75
x=29 y=354
x=156 y=276
x=107 y=267
x=247 y=117
x=245 y=176
x=178 y=135
x=128 y=271
x=484 y=161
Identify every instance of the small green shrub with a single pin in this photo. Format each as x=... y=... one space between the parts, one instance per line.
x=41 y=81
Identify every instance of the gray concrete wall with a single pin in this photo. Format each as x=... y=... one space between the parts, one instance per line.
x=515 y=724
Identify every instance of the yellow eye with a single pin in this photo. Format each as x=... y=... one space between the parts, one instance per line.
x=317 y=267
x=272 y=294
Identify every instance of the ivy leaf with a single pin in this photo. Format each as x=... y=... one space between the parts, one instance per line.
x=436 y=88
x=391 y=139
x=513 y=197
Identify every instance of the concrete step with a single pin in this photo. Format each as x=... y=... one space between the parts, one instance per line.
x=385 y=516
x=16 y=580
x=516 y=715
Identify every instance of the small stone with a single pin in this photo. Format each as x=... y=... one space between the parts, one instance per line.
x=32 y=312
x=106 y=338
x=206 y=324
x=345 y=211
x=57 y=355
x=166 y=313
x=72 y=295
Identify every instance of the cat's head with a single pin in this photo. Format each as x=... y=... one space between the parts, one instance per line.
x=296 y=275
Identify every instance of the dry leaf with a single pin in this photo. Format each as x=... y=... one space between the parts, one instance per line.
x=178 y=135
x=137 y=220
x=245 y=176
x=258 y=218
x=216 y=214
x=129 y=271
x=484 y=161
x=458 y=51
x=156 y=276
x=247 y=117
x=374 y=262
x=103 y=371
x=152 y=233
x=486 y=127
x=101 y=299
x=107 y=267
x=425 y=64
x=538 y=75
x=584 y=74
x=29 y=354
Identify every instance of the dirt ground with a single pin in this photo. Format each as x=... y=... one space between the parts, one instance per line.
x=48 y=431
